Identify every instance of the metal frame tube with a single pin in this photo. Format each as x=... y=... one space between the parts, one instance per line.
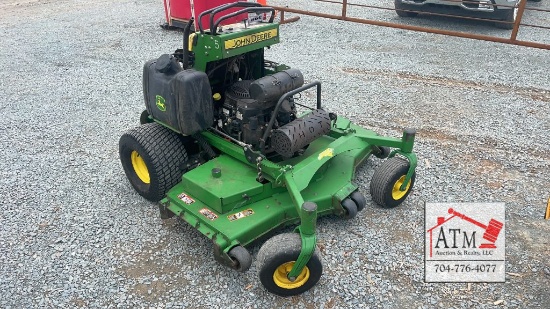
x=512 y=40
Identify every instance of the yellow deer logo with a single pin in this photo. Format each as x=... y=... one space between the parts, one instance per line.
x=161 y=104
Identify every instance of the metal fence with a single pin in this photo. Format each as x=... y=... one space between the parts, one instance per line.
x=513 y=39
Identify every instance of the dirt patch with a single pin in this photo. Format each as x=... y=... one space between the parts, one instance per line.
x=150 y=261
x=147 y=265
x=402 y=236
x=151 y=291
x=437 y=135
x=155 y=274
x=79 y=303
x=488 y=166
x=494 y=185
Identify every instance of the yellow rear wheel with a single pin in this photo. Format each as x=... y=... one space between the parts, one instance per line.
x=547 y=214
x=140 y=167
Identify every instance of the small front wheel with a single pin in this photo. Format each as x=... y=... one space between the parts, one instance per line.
x=350 y=208
x=359 y=200
x=275 y=260
x=387 y=180
x=242 y=258
x=382 y=152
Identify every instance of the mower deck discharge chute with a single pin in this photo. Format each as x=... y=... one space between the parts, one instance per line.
x=222 y=146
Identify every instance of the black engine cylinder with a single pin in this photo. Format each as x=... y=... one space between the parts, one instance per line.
x=289 y=138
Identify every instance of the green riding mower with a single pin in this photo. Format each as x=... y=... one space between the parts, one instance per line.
x=228 y=144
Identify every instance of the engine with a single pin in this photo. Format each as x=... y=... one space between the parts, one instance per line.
x=250 y=104
x=182 y=99
x=245 y=118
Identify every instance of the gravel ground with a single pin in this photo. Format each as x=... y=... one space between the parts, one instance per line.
x=75 y=234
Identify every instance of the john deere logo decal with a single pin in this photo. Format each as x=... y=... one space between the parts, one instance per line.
x=161 y=104
x=250 y=39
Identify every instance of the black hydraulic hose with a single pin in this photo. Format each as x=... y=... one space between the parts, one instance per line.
x=186 y=51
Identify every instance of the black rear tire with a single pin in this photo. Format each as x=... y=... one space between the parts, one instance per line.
x=385 y=183
x=399 y=7
x=151 y=156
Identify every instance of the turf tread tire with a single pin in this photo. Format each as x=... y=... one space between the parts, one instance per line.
x=163 y=153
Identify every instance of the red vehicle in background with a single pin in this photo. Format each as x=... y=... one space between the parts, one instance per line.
x=179 y=12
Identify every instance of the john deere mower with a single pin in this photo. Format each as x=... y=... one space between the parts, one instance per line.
x=230 y=143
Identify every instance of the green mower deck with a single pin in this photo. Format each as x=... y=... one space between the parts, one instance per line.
x=226 y=203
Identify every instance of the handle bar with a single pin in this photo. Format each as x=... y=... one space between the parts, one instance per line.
x=220 y=8
x=247 y=10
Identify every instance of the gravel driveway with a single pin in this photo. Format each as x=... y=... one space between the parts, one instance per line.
x=74 y=233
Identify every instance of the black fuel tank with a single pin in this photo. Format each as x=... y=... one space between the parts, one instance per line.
x=182 y=99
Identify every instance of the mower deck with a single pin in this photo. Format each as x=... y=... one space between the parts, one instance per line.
x=223 y=195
